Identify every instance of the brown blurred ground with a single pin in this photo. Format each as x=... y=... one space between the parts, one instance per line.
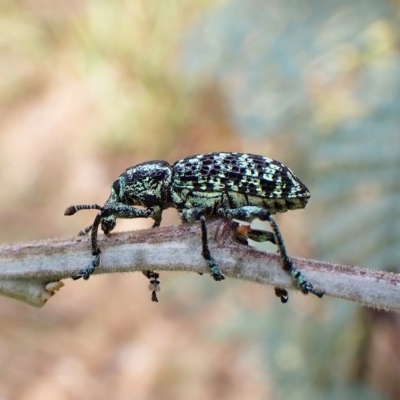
x=82 y=98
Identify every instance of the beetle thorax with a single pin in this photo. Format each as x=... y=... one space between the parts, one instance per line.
x=145 y=184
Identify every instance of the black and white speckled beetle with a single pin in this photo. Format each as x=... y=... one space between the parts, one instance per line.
x=231 y=185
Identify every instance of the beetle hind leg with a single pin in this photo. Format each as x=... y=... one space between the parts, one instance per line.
x=245 y=232
x=248 y=214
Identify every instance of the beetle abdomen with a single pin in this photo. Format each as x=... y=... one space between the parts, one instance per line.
x=244 y=179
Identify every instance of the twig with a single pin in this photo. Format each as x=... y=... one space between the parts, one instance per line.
x=31 y=272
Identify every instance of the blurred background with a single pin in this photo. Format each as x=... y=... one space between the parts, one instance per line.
x=89 y=88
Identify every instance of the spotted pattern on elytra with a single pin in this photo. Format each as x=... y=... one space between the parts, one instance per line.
x=239 y=179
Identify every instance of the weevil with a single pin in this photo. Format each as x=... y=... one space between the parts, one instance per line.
x=231 y=185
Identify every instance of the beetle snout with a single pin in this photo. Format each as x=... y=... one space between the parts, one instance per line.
x=108 y=224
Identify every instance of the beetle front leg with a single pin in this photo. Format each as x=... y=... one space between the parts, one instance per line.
x=248 y=214
x=154 y=286
x=196 y=214
x=86 y=272
x=154 y=277
x=118 y=210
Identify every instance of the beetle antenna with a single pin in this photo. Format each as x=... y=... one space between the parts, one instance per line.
x=85 y=231
x=73 y=209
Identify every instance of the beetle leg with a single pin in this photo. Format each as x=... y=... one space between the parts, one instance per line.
x=196 y=214
x=74 y=209
x=118 y=210
x=154 y=285
x=245 y=232
x=154 y=277
x=85 y=231
x=248 y=214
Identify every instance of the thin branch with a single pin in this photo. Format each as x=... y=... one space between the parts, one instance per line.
x=31 y=272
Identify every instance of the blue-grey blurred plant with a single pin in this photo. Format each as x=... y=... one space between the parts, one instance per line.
x=325 y=77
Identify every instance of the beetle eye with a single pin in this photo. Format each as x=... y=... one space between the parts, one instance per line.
x=116 y=186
